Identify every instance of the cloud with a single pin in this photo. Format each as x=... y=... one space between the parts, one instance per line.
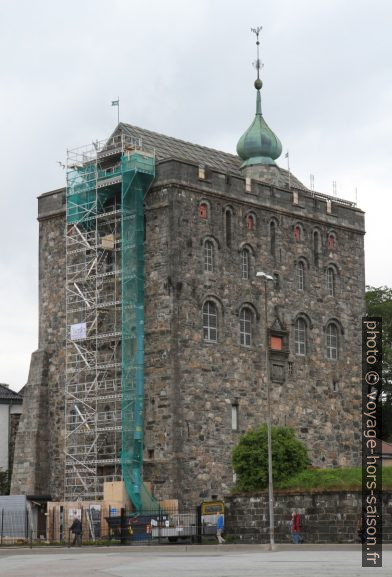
x=184 y=69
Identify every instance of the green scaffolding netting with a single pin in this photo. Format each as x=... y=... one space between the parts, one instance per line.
x=137 y=174
x=88 y=188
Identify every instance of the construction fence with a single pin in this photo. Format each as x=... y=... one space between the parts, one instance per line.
x=103 y=524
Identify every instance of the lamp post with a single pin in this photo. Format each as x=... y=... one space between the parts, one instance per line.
x=266 y=278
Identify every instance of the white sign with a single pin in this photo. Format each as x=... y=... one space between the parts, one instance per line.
x=74 y=513
x=78 y=331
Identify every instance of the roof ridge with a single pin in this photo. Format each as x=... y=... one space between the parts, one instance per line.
x=180 y=140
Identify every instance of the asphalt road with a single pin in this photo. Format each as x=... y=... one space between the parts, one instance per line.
x=225 y=561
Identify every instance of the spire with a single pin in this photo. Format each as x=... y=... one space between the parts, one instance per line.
x=258 y=145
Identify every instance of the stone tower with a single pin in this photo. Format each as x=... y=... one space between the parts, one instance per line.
x=212 y=220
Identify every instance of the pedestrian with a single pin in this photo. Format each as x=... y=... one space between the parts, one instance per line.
x=76 y=529
x=220 y=525
x=296 y=528
x=361 y=526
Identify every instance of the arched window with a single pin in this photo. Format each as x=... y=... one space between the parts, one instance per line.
x=330 y=281
x=316 y=248
x=210 y=322
x=297 y=233
x=250 y=222
x=228 y=225
x=203 y=210
x=300 y=276
x=245 y=263
x=272 y=238
x=332 y=341
x=246 y=327
x=331 y=241
x=300 y=337
x=208 y=256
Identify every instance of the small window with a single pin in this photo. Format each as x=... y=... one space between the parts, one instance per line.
x=290 y=368
x=335 y=386
x=330 y=281
x=332 y=342
x=203 y=210
x=300 y=270
x=300 y=337
x=272 y=238
x=276 y=343
x=331 y=241
x=250 y=222
x=246 y=327
x=228 y=225
x=210 y=322
x=208 y=256
x=234 y=417
x=245 y=263
x=276 y=281
x=150 y=453
x=202 y=172
x=297 y=233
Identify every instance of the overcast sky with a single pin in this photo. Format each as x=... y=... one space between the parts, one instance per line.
x=183 y=68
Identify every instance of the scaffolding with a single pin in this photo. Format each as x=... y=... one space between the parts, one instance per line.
x=104 y=385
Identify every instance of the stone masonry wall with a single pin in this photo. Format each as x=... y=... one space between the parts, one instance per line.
x=39 y=442
x=318 y=397
x=191 y=385
x=31 y=465
x=329 y=517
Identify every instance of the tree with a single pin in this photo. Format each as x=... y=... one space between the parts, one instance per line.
x=250 y=457
x=379 y=304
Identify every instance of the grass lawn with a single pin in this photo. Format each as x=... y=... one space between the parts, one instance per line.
x=332 y=479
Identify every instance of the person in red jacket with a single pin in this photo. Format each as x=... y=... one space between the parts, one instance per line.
x=296 y=528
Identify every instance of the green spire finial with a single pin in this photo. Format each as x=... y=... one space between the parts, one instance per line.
x=258 y=145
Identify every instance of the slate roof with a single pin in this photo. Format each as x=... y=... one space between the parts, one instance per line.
x=169 y=147
x=7 y=394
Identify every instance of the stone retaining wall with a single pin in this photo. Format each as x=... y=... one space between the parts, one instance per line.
x=328 y=517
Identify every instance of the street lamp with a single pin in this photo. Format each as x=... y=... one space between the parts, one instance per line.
x=266 y=277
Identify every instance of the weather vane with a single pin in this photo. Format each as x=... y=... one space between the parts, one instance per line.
x=257 y=64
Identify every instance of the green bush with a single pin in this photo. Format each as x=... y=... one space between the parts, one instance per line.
x=250 y=457
x=344 y=479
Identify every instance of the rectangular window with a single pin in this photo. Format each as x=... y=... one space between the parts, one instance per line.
x=246 y=328
x=332 y=346
x=234 y=417
x=299 y=337
x=276 y=343
x=202 y=172
x=210 y=322
x=290 y=368
x=245 y=264
x=248 y=184
x=208 y=256
x=295 y=197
